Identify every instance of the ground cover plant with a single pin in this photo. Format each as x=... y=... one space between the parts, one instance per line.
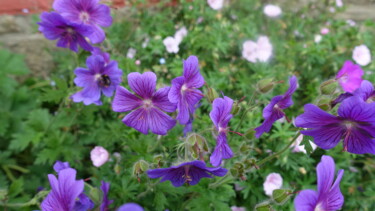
x=204 y=105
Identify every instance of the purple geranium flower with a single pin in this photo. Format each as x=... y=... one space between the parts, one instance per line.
x=65 y=190
x=58 y=166
x=98 y=51
x=89 y=13
x=69 y=35
x=355 y=125
x=365 y=92
x=328 y=197
x=350 y=76
x=84 y=203
x=188 y=172
x=184 y=91
x=274 y=110
x=105 y=202
x=220 y=116
x=99 y=77
x=130 y=207
x=147 y=106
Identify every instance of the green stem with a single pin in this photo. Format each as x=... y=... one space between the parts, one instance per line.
x=8 y=173
x=261 y=162
x=245 y=112
x=19 y=168
x=222 y=180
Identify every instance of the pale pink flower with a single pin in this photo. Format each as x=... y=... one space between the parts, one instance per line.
x=264 y=48
x=131 y=53
x=138 y=62
x=272 y=10
x=99 y=156
x=249 y=51
x=171 y=45
x=324 y=31
x=318 y=38
x=257 y=51
x=216 y=4
x=298 y=148
x=234 y=208
x=273 y=181
x=332 y=9
x=350 y=22
x=339 y=3
x=180 y=34
x=362 y=55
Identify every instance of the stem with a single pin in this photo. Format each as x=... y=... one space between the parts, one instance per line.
x=222 y=180
x=19 y=168
x=261 y=162
x=245 y=112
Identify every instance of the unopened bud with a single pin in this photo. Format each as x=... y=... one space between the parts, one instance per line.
x=198 y=145
x=140 y=167
x=245 y=149
x=211 y=94
x=280 y=196
x=236 y=108
x=158 y=160
x=265 y=85
x=117 y=169
x=94 y=194
x=234 y=172
x=249 y=163
x=324 y=103
x=264 y=206
x=328 y=87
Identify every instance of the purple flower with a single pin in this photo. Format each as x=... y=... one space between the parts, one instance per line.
x=84 y=203
x=184 y=91
x=99 y=77
x=220 y=116
x=350 y=76
x=65 y=190
x=58 y=166
x=98 y=51
x=365 y=92
x=69 y=35
x=105 y=202
x=188 y=172
x=146 y=106
x=328 y=197
x=274 y=110
x=130 y=207
x=89 y=13
x=355 y=125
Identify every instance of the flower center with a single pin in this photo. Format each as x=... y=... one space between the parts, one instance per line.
x=103 y=80
x=349 y=125
x=186 y=176
x=222 y=129
x=70 y=30
x=147 y=103
x=344 y=78
x=84 y=17
x=319 y=208
x=184 y=88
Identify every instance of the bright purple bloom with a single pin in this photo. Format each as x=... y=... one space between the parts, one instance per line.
x=147 y=106
x=328 y=197
x=98 y=51
x=86 y=12
x=69 y=35
x=220 y=116
x=188 y=172
x=58 y=166
x=99 y=77
x=355 y=124
x=184 y=91
x=105 y=202
x=65 y=190
x=84 y=203
x=130 y=207
x=350 y=76
x=274 y=110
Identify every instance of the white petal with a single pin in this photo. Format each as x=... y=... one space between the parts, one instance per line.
x=273 y=181
x=362 y=55
x=272 y=10
x=99 y=156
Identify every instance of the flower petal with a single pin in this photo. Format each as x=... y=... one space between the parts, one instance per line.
x=138 y=119
x=266 y=126
x=97 y=35
x=84 y=77
x=360 y=141
x=193 y=78
x=101 y=15
x=306 y=200
x=143 y=84
x=160 y=122
x=334 y=200
x=354 y=108
x=95 y=63
x=314 y=117
x=174 y=94
x=124 y=100
x=325 y=173
x=287 y=100
x=160 y=100
x=326 y=137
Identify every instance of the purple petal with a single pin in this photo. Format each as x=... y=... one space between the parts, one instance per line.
x=157 y=173
x=174 y=94
x=84 y=77
x=101 y=15
x=58 y=166
x=124 y=100
x=95 y=63
x=220 y=114
x=360 y=141
x=187 y=105
x=315 y=117
x=105 y=202
x=78 y=97
x=83 y=43
x=334 y=199
x=326 y=137
x=130 y=207
x=193 y=78
x=341 y=98
x=350 y=76
x=63 y=6
x=138 y=119
x=365 y=91
x=355 y=109
x=287 y=101
x=325 y=174
x=160 y=100
x=222 y=150
x=84 y=203
x=160 y=122
x=97 y=36
x=266 y=126
x=270 y=108
x=306 y=200
x=142 y=84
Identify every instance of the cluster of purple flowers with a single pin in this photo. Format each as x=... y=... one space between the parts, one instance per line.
x=68 y=194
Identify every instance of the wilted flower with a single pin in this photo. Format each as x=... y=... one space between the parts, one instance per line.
x=184 y=91
x=297 y=147
x=328 y=196
x=89 y=13
x=147 y=106
x=216 y=4
x=105 y=202
x=274 y=110
x=130 y=207
x=171 y=44
x=189 y=172
x=98 y=78
x=220 y=116
x=99 y=156
x=69 y=35
x=65 y=190
x=362 y=55
x=273 y=181
x=355 y=125
x=257 y=51
x=272 y=10
x=131 y=53
x=350 y=76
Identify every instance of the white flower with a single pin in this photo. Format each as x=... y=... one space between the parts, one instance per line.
x=99 y=156
x=234 y=208
x=317 y=38
x=171 y=45
x=131 y=53
x=272 y=10
x=362 y=55
x=180 y=34
x=257 y=51
x=339 y=3
x=273 y=181
x=298 y=148
x=216 y=4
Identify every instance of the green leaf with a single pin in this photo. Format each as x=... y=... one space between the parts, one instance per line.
x=160 y=201
x=46 y=156
x=13 y=64
x=16 y=188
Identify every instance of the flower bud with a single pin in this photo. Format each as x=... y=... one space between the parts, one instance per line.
x=198 y=145
x=245 y=149
x=280 y=196
x=94 y=194
x=140 y=167
x=265 y=85
x=158 y=160
x=324 y=103
x=250 y=163
x=211 y=94
x=264 y=206
x=117 y=169
x=236 y=108
x=328 y=87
